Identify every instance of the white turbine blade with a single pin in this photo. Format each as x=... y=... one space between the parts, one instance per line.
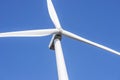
x=29 y=33
x=53 y=14
x=71 y=35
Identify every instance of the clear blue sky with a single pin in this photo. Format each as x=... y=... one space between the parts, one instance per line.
x=31 y=59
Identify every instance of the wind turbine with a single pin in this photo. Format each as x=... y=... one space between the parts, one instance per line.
x=55 y=43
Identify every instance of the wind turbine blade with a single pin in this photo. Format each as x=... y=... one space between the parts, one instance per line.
x=71 y=35
x=53 y=14
x=29 y=33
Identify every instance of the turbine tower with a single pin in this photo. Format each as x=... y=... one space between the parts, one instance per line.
x=55 y=43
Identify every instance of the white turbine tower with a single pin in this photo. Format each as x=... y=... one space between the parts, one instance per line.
x=55 y=43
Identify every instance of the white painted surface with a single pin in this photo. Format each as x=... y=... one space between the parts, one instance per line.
x=53 y=14
x=30 y=33
x=61 y=67
x=71 y=35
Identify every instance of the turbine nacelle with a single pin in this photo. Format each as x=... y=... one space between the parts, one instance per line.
x=55 y=36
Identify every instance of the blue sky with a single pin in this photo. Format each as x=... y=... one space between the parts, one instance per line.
x=31 y=59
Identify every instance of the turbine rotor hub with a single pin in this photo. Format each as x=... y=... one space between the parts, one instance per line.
x=60 y=30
